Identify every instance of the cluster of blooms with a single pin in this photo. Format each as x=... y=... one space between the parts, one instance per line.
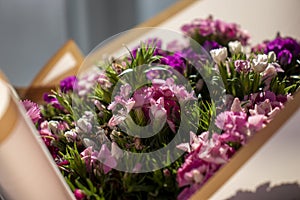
x=210 y=32
x=82 y=123
x=205 y=156
x=286 y=49
x=158 y=102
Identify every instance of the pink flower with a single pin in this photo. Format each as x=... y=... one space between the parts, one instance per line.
x=108 y=161
x=32 y=110
x=157 y=110
x=236 y=105
x=89 y=156
x=205 y=158
x=48 y=138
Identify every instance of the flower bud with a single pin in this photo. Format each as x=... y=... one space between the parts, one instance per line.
x=235 y=47
x=271 y=56
x=79 y=194
x=219 y=55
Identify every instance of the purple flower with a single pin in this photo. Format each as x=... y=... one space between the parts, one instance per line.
x=210 y=45
x=258 y=98
x=176 y=61
x=68 y=84
x=32 y=110
x=242 y=66
x=285 y=57
x=192 y=56
x=52 y=101
x=286 y=49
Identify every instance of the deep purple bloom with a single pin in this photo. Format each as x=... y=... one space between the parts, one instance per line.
x=285 y=57
x=52 y=101
x=176 y=61
x=68 y=84
x=286 y=49
x=210 y=45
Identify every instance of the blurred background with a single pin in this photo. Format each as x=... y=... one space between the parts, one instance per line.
x=31 y=31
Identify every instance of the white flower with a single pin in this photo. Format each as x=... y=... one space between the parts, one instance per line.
x=70 y=135
x=260 y=63
x=272 y=56
x=53 y=125
x=270 y=71
x=219 y=55
x=116 y=151
x=235 y=47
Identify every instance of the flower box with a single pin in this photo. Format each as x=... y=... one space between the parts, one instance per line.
x=94 y=141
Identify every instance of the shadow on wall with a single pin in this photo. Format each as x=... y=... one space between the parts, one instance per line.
x=286 y=191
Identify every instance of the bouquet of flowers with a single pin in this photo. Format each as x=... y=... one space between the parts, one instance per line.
x=158 y=123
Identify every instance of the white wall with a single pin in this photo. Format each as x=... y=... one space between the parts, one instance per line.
x=262 y=18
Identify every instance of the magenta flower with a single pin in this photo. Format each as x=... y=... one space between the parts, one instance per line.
x=48 y=138
x=79 y=194
x=175 y=60
x=32 y=110
x=162 y=97
x=210 y=45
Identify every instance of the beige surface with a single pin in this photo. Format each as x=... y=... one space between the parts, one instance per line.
x=27 y=169
x=262 y=18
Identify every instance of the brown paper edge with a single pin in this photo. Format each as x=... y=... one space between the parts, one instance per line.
x=9 y=118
